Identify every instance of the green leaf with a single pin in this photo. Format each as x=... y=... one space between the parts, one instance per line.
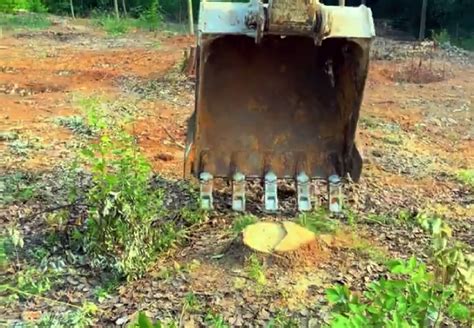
x=397 y=267
x=144 y=321
x=412 y=263
x=333 y=295
x=459 y=311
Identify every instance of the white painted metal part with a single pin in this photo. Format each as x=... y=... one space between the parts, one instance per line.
x=232 y=17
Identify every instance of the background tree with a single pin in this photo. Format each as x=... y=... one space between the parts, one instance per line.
x=71 y=4
x=124 y=7
x=116 y=8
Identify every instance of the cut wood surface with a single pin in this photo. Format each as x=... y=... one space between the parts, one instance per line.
x=268 y=237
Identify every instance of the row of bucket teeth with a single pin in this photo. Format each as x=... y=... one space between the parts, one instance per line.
x=303 y=192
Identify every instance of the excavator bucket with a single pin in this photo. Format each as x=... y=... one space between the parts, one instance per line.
x=279 y=86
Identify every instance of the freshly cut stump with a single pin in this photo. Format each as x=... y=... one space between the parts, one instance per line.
x=276 y=237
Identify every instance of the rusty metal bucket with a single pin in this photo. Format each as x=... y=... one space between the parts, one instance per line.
x=284 y=105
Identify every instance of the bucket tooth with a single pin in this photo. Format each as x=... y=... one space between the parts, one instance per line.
x=335 y=194
x=303 y=183
x=205 y=192
x=271 y=192
x=238 y=192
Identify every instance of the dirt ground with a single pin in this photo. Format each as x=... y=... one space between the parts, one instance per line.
x=414 y=138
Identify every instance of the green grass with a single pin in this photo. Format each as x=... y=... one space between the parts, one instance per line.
x=241 y=222
x=113 y=26
x=466 y=177
x=24 y=21
x=318 y=221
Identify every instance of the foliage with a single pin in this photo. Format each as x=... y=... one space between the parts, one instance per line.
x=192 y=215
x=412 y=300
x=10 y=6
x=24 y=21
x=318 y=221
x=123 y=207
x=441 y=37
x=466 y=177
x=144 y=321
x=215 y=321
x=282 y=320
x=255 y=270
x=33 y=281
x=152 y=17
x=412 y=296
x=77 y=124
x=114 y=26
x=241 y=222
x=17 y=187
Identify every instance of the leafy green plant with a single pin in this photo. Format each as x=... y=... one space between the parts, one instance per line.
x=191 y=302
x=466 y=177
x=33 y=281
x=123 y=207
x=318 y=221
x=241 y=222
x=77 y=124
x=144 y=321
x=114 y=26
x=216 y=321
x=192 y=215
x=255 y=270
x=441 y=36
x=17 y=187
x=415 y=299
x=151 y=18
x=24 y=21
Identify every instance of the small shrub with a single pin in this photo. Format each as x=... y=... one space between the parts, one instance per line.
x=79 y=318
x=215 y=321
x=412 y=300
x=152 y=18
x=144 y=321
x=441 y=37
x=420 y=72
x=255 y=270
x=123 y=207
x=192 y=215
x=18 y=187
x=113 y=26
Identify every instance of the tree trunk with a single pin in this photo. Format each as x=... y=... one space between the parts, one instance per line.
x=190 y=17
x=116 y=7
x=71 y=4
x=424 y=6
x=342 y=3
x=124 y=7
